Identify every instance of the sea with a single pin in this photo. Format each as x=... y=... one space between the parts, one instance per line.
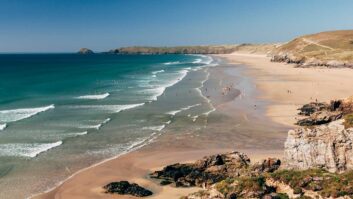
x=60 y=113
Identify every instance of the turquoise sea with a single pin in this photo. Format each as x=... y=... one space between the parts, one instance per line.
x=60 y=113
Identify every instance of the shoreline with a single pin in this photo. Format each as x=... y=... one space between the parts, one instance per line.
x=162 y=152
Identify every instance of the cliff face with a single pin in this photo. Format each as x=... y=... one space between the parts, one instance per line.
x=326 y=140
x=327 y=146
x=330 y=49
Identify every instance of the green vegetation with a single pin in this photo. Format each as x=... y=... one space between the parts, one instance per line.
x=325 y=183
x=348 y=121
x=243 y=187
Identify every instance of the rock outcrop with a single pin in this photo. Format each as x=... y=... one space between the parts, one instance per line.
x=124 y=187
x=85 y=51
x=209 y=170
x=213 y=169
x=326 y=146
x=326 y=141
x=317 y=113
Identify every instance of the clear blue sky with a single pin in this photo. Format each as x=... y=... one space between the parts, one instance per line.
x=67 y=25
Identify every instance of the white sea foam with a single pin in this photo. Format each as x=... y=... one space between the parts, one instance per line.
x=23 y=113
x=155 y=92
x=172 y=63
x=168 y=122
x=98 y=126
x=107 y=108
x=173 y=112
x=197 y=61
x=158 y=71
x=182 y=109
x=94 y=97
x=106 y=120
x=77 y=134
x=154 y=128
x=210 y=111
x=158 y=90
x=194 y=118
x=3 y=126
x=90 y=126
x=26 y=149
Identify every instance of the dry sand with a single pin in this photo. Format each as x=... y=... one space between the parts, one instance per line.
x=289 y=87
x=271 y=89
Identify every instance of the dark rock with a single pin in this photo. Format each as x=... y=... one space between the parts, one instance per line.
x=165 y=182
x=321 y=117
x=232 y=196
x=335 y=105
x=124 y=187
x=206 y=171
x=312 y=107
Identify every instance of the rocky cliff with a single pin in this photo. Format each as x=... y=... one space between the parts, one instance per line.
x=325 y=141
x=328 y=146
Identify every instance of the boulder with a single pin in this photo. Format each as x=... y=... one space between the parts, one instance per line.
x=326 y=146
x=124 y=187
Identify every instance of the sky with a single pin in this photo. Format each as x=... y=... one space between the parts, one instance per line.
x=101 y=25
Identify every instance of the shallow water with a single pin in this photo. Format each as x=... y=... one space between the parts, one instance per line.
x=62 y=112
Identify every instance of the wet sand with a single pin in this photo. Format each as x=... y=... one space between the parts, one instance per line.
x=239 y=123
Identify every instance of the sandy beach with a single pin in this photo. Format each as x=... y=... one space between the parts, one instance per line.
x=288 y=87
x=253 y=116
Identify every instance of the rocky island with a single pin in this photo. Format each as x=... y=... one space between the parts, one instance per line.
x=85 y=51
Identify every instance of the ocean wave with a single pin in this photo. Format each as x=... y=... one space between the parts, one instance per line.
x=197 y=61
x=182 y=109
x=94 y=97
x=107 y=108
x=77 y=134
x=23 y=113
x=210 y=111
x=194 y=118
x=154 y=128
x=173 y=63
x=3 y=126
x=26 y=150
x=158 y=71
x=98 y=126
x=157 y=90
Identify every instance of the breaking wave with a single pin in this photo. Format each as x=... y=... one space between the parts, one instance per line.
x=26 y=150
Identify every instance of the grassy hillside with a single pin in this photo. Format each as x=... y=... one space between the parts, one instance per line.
x=319 y=49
